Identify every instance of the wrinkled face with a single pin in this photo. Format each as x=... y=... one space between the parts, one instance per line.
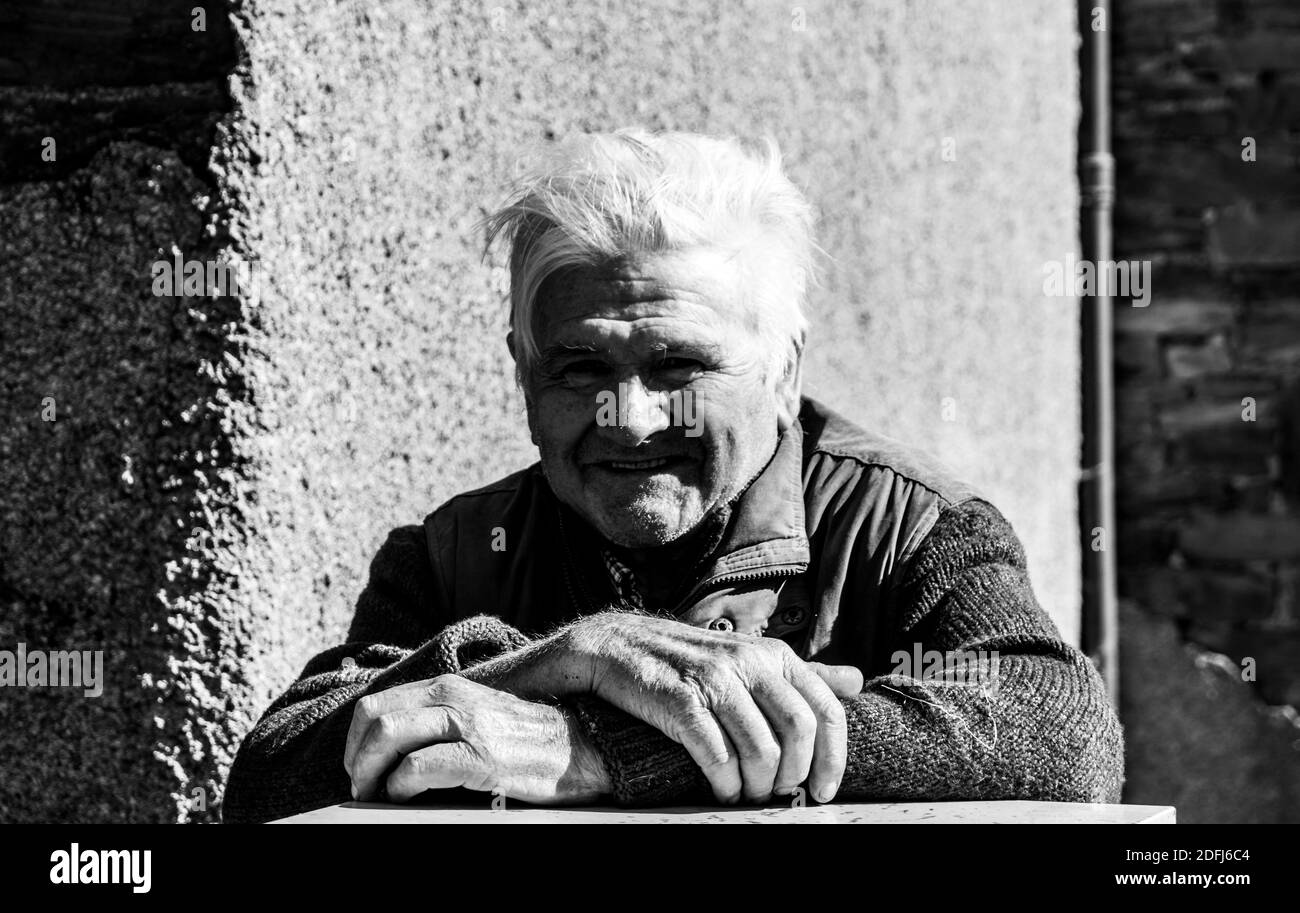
x=653 y=400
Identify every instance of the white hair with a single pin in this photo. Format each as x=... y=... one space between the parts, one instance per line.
x=603 y=196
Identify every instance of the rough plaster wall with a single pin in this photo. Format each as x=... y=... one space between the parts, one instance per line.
x=934 y=326
x=370 y=383
x=99 y=501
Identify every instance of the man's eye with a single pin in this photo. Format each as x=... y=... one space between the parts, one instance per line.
x=583 y=371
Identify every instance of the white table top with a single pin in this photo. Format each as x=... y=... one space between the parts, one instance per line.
x=874 y=813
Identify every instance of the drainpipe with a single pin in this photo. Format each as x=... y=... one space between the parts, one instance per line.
x=1100 y=621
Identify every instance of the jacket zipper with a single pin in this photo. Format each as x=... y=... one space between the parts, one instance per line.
x=738 y=577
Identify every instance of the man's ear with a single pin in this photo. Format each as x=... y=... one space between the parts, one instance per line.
x=789 y=386
x=519 y=373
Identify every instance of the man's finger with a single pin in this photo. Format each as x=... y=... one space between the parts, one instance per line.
x=755 y=743
x=391 y=737
x=844 y=681
x=795 y=726
x=703 y=737
x=831 y=746
x=373 y=706
x=443 y=766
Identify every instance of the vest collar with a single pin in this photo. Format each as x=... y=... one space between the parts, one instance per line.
x=765 y=533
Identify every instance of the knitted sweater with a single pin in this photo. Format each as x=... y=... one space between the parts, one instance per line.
x=1045 y=731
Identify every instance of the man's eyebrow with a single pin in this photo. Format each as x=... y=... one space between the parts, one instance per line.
x=708 y=350
x=559 y=351
x=702 y=351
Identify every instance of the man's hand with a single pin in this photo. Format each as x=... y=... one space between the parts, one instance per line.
x=448 y=731
x=755 y=718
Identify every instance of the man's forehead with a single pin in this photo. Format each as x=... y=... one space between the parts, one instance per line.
x=694 y=287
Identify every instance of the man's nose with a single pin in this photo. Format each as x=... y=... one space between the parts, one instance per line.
x=642 y=413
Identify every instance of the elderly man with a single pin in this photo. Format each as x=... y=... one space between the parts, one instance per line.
x=709 y=588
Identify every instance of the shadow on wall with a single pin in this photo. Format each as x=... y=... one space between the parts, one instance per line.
x=112 y=445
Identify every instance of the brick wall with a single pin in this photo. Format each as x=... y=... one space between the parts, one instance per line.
x=1208 y=375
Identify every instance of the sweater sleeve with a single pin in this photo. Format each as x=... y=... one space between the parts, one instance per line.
x=292 y=761
x=1037 y=725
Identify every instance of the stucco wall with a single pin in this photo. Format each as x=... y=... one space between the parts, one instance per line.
x=371 y=381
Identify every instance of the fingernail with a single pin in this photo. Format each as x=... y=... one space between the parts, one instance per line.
x=354 y=790
x=828 y=792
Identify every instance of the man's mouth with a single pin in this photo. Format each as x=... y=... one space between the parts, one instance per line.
x=639 y=464
x=642 y=465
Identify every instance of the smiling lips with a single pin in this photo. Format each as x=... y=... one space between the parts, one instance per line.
x=636 y=465
x=641 y=464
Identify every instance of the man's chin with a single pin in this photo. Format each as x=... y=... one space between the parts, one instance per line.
x=637 y=525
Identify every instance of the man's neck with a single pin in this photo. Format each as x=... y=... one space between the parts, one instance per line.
x=664 y=569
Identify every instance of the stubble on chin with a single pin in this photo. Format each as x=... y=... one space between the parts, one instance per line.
x=660 y=513
x=654 y=518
